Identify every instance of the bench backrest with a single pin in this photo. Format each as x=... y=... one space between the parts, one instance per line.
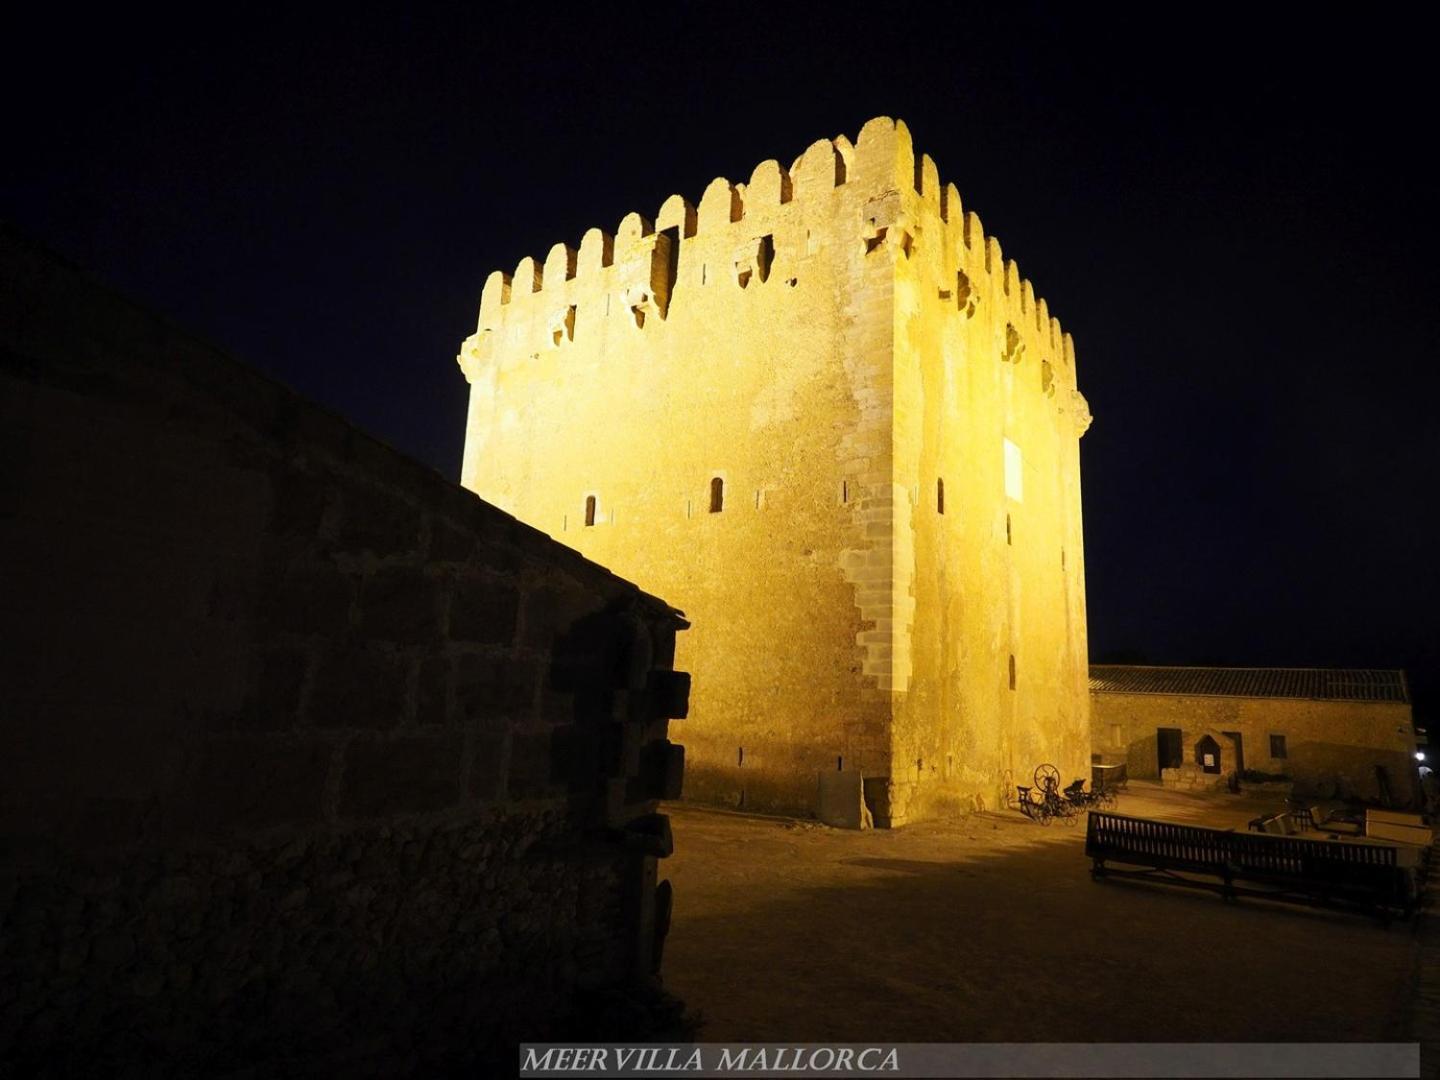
x=1162 y=840
x=1241 y=854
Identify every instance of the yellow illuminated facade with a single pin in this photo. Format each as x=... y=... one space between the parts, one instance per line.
x=823 y=415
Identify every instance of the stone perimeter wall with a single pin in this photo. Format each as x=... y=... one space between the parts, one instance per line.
x=309 y=757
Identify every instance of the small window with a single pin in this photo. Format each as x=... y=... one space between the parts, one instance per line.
x=717 y=495
x=1014 y=472
x=1008 y=532
x=765 y=257
x=1277 y=746
x=589 y=509
x=672 y=256
x=1012 y=671
x=939 y=496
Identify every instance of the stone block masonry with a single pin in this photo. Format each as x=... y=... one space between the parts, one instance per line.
x=823 y=413
x=310 y=760
x=1334 y=733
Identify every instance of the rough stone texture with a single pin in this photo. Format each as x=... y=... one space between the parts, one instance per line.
x=1332 y=747
x=308 y=757
x=829 y=342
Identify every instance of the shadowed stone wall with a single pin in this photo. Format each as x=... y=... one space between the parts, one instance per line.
x=1331 y=748
x=309 y=758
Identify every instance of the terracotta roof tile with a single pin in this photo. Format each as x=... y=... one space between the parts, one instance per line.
x=1325 y=684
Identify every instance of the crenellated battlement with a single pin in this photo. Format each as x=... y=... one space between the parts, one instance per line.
x=819 y=400
x=737 y=230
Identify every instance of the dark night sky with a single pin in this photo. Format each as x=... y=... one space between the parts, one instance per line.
x=1233 y=218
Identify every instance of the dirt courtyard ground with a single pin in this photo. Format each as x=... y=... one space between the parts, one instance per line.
x=989 y=929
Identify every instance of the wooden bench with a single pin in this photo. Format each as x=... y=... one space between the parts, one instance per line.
x=1324 y=873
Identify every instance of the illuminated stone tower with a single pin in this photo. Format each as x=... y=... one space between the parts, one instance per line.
x=825 y=417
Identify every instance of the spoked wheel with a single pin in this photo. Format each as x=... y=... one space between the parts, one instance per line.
x=1047 y=779
x=1107 y=799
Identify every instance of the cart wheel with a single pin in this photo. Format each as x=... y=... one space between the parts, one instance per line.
x=1108 y=799
x=1047 y=778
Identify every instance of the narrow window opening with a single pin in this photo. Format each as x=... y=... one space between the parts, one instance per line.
x=1014 y=472
x=740 y=757
x=1012 y=671
x=764 y=257
x=758 y=499
x=873 y=242
x=1008 y=533
x=589 y=510
x=940 y=496
x=844 y=491
x=840 y=763
x=672 y=258
x=1277 y=746
x=703 y=269
x=1062 y=558
x=717 y=495
x=564 y=522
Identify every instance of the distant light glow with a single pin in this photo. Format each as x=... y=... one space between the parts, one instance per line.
x=1419 y=755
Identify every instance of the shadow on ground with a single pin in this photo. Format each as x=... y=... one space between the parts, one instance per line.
x=990 y=929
